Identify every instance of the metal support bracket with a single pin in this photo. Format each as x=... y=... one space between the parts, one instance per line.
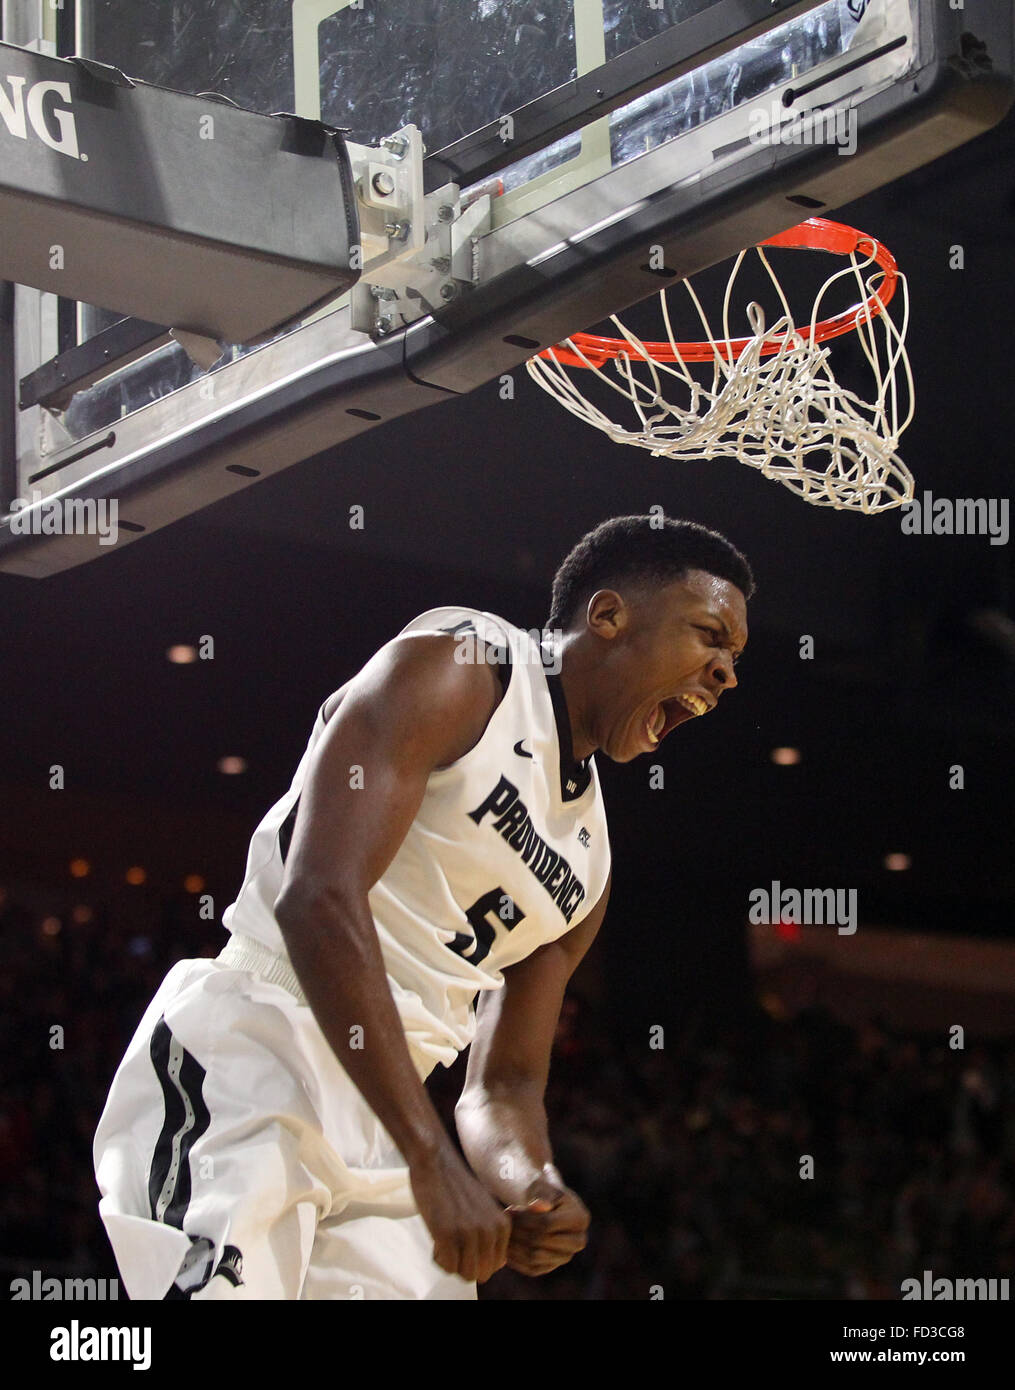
x=418 y=250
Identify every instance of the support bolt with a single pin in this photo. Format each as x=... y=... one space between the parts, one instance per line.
x=445 y=213
x=449 y=290
x=397 y=231
x=397 y=145
x=383 y=184
x=383 y=325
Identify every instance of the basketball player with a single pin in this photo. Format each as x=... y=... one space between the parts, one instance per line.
x=268 y=1133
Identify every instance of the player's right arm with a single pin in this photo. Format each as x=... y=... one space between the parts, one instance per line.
x=413 y=708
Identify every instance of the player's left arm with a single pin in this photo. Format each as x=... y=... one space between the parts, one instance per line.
x=500 y=1117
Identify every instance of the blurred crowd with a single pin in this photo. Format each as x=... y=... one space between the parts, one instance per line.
x=788 y=1158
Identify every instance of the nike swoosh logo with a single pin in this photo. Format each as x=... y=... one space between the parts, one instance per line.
x=521 y=751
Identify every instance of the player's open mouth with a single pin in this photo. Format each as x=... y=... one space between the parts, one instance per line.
x=669 y=713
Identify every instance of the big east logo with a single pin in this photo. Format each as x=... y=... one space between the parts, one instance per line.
x=19 y=109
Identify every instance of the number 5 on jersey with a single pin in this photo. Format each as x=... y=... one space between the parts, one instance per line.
x=475 y=946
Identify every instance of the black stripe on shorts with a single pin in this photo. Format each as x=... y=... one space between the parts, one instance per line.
x=181 y=1078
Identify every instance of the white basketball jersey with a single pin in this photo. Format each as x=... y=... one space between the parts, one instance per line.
x=509 y=849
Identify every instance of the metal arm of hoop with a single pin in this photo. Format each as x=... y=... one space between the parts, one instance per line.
x=816 y=234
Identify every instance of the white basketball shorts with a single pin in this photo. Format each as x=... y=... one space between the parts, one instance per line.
x=237 y=1159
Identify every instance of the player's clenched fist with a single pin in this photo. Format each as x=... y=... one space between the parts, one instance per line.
x=548 y=1230
x=470 y=1230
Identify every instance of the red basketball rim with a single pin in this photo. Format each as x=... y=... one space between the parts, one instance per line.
x=816 y=234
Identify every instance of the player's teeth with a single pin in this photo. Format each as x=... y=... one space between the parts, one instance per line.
x=694 y=703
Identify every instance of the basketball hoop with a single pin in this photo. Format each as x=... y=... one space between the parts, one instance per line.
x=774 y=402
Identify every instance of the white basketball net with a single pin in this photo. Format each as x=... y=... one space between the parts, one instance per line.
x=783 y=414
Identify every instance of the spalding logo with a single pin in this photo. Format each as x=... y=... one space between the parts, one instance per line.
x=21 y=108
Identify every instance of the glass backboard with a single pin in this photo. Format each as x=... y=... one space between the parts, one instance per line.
x=657 y=124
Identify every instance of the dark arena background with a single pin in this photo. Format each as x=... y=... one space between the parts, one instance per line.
x=702 y=1057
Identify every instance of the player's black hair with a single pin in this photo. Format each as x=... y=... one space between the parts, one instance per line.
x=653 y=550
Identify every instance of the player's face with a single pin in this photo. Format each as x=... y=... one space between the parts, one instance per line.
x=669 y=661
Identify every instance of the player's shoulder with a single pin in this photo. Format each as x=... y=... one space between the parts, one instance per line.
x=458 y=620
x=504 y=643
x=452 y=653
x=423 y=667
